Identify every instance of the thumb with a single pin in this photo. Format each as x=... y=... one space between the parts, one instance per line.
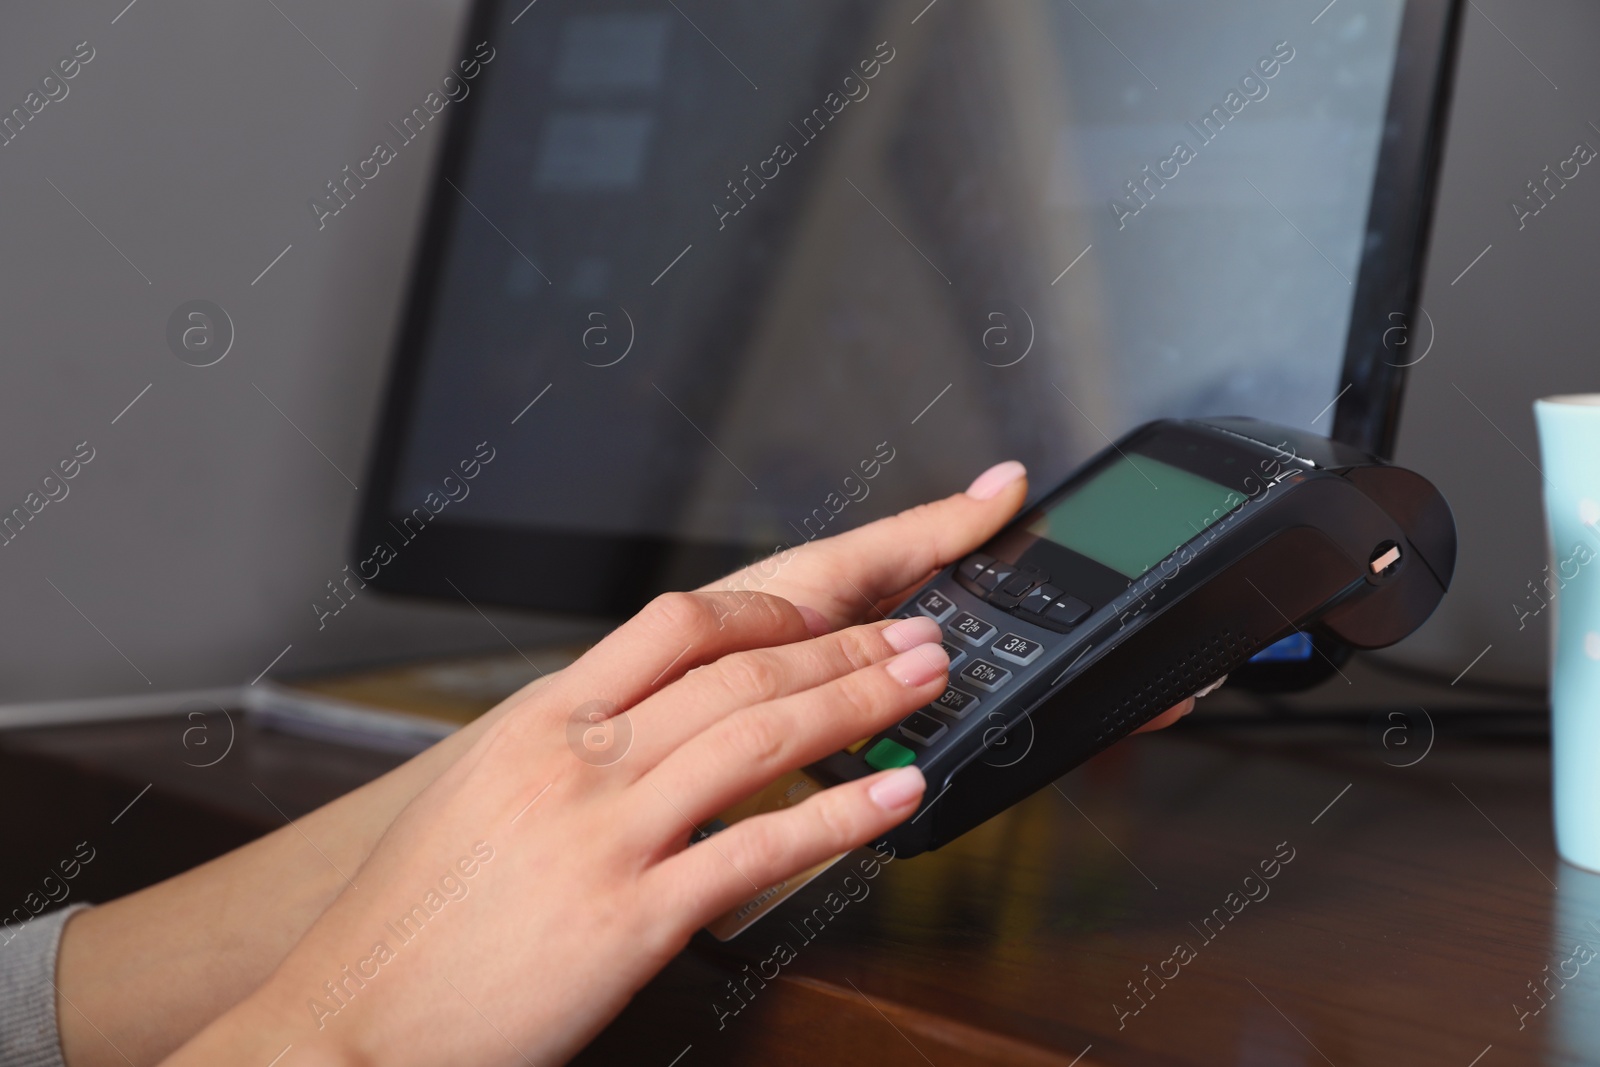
x=886 y=556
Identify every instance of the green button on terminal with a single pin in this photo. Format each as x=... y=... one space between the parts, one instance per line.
x=887 y=754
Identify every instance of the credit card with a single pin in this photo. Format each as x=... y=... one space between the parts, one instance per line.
x=786 y=792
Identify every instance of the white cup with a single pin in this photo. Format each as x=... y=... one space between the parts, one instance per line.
x=1569 y=446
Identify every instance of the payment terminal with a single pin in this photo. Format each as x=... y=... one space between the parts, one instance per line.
x=1164 y=563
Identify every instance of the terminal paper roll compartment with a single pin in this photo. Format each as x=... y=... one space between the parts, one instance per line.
x=1309 y=535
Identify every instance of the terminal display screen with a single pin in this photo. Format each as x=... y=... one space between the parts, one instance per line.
x=1135 y=513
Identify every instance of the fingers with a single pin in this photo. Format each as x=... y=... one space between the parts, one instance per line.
x=886 y=556
x=749 y=748
x=672 y=635
x=1168 y=717
x=1178 y=711
x=739 y=680
x=708 y=878
x=842 y=577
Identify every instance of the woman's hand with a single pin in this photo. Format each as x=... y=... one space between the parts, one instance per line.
x=153 y=968
x=869 y=570
x=861 y=573
x=522 y=898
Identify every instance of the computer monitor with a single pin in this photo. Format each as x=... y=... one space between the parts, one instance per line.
x=702 y=279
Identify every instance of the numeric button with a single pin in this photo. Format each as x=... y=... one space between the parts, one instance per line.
x=1017 y=649
x=986 y=675
x=954 y=703
x=936 y=605
x=971 y=629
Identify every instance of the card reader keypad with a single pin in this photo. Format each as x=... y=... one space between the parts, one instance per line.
x=983 y=659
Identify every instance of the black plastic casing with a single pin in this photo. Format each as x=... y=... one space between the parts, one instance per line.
x=1296 y=555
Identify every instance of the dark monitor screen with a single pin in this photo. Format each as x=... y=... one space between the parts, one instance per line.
x=695 y=269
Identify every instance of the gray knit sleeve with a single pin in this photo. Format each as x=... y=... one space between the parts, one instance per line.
x=29 y=1035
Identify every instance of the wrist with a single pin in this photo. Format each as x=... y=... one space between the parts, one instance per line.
x=270 y=1027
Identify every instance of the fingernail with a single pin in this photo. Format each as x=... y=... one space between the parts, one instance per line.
x=987 y=485
x=814 y=620
x=897 y=789
x=918 y=666
x=907 y=634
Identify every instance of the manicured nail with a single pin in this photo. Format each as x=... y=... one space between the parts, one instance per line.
x=918 y=666
x=814 y=619
x=987 y=485
x=897 y=789
x=907 y=634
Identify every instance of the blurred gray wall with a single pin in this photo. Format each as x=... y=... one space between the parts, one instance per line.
x=188 y=552
x=198 y=537
x=1518 y=325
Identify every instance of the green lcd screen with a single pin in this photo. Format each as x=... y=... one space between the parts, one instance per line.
x=1135 y=513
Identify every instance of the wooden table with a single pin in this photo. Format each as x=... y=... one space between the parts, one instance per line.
x=1419 y=904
